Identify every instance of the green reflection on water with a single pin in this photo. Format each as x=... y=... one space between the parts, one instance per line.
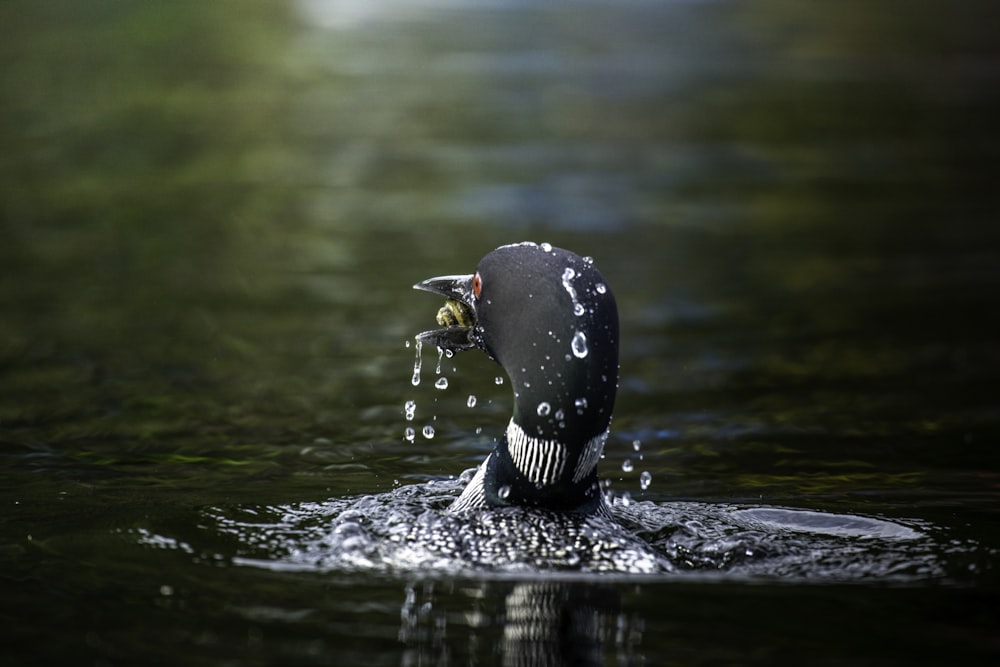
x=211 y=218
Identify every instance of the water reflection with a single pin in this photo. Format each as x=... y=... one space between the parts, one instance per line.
x=211 y=216
x=543 y=624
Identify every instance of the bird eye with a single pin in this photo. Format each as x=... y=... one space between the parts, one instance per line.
x=477 y=284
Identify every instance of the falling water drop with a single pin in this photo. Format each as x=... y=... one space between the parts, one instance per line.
x=601 y=288
x=416 y=365
x=579 y=345
x=636 y=445
x=544 y=409
x=437 y=371
x=441 y=383
x=645 y=479
x=409 y=434
x=503 y=491
x=409 y=410
x=498 y=379
x=428 y=431
x=471 y=402
x=627 y=465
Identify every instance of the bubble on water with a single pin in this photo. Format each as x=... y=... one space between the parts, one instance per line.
x=601 y=288
x=409 y=410
x=579 y=345
x=417 y=362
x=441 y=383
x=547 y=247
x=645 y=479
x=544 y=409
x=503 y=491
x=410 y=433
x=636 y=445
x=627 y=465
x=498 y=379
x=428 y=431
x=471 y=401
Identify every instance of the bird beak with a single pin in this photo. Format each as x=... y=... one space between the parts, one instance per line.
x=457 y=316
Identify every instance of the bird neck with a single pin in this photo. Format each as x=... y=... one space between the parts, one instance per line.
x=534 y=471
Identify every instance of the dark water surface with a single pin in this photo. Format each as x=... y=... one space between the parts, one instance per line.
x=210 y=221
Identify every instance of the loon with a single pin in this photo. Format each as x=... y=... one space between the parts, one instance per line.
x=549 y=318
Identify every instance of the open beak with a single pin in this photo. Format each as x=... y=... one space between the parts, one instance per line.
x=457 y=316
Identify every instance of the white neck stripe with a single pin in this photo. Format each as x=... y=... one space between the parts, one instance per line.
x=590 y=455
x=541 y=461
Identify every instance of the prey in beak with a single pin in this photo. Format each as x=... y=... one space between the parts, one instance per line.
x=457 y=315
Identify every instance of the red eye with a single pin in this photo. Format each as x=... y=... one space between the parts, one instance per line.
x=477 y=285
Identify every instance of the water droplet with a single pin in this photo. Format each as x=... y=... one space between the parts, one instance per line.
x=567 y=278
x=416 y=365
x=437 y=371
x=544 y=409
x=471 y=402
x=588 y=260
x=407 y=343
x=581 y=405
x=636 y=445
x=442 y=383
x=579 y=345
x=498 y=379
x=627 y=465
x=409 y=410
x=601 y=288
x=428 y=431
x=547 y=247
x=503 y=491
x=645 y=479
x=409 y=433
x=560 y=415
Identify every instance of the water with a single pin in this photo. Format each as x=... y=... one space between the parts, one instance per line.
x=208 y=254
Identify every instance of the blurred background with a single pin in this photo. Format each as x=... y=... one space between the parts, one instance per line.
x=211 y=214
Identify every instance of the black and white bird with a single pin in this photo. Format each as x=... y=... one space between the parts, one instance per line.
x=549 y=318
